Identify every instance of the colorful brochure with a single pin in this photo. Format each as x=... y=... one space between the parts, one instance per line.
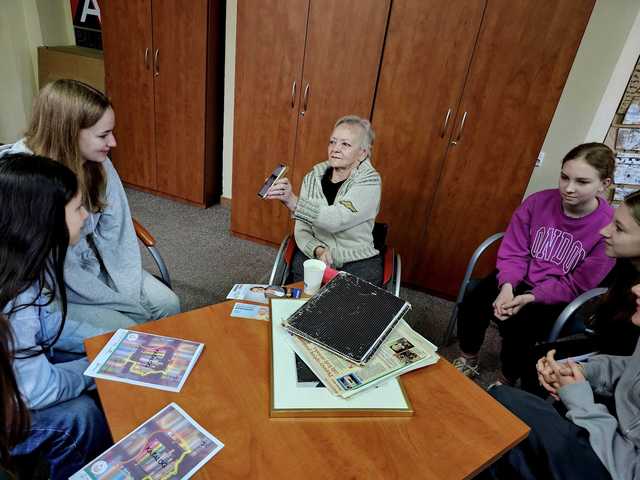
x=145 y=359
x=170 y=445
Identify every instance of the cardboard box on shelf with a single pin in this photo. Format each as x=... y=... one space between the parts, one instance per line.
x=79 y=63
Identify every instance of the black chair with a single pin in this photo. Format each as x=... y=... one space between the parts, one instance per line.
x=392 y=271
x=571 y=319
x=468 y=282
x=569 y=322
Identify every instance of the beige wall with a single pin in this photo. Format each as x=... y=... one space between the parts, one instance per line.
x=606 y=56
x=25 y=25
x=598 y=77
x=229 y=89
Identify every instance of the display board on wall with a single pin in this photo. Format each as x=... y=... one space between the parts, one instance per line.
x=86 y=23
x=624 y=137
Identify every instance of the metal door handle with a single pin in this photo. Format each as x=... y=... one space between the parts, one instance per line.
x=156 y=63
x=146 y=58
x=459 y=136
x=305 y=101
x=293 y=94
x=446 y=122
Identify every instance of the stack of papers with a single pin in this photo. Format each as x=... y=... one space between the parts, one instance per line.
x=402 y=350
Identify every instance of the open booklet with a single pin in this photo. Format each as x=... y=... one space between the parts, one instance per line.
x=402 y=350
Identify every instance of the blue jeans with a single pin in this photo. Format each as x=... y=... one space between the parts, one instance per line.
x=86 y=321
x=69 y=434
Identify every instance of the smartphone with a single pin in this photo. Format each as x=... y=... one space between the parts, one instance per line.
x=277 y=173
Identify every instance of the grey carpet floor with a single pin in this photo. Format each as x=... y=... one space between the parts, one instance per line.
x=205 y=261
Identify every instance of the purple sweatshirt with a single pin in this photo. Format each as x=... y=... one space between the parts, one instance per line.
x=559 y=256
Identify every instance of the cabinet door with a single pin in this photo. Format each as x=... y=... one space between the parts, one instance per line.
x=426 y=59
x=180 y=54
x=126 y=37
x=269 y=55
x=524 y=54
x=341 y=63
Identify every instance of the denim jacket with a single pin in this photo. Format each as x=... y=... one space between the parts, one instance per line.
x=41 y=382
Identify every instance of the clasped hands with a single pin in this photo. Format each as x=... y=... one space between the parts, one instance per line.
x=506 y=304
x=553 y=375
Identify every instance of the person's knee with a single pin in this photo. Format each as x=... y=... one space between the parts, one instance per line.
x=169 y=304
x=159 y=299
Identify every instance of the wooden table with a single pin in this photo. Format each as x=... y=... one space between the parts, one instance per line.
x=457 y=428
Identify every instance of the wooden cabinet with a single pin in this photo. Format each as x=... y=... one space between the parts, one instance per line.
x=466 y=94
x=300 y=65
x=461 y=99
x=164 y=72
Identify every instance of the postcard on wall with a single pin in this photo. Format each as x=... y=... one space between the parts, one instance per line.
x=170 y=445
x=628 y=139
x=250 y=311
x=248 y=291
x=145 y=359
x=632 y=115
x=620 y=192
x=627 y=170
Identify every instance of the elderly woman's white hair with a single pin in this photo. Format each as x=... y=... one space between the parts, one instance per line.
x=367 y=136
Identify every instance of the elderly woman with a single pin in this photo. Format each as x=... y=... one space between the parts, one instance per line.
x=338 y=204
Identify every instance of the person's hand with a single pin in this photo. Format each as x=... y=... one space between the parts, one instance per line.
x=505 y=296
x=566 y=374
x=546 y=375
x=515 y=305
x=324 y=255
x=282 y=190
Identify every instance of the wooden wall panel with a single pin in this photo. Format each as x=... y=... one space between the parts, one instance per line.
x=126 y=37
x=269 y=57
x=524 y=54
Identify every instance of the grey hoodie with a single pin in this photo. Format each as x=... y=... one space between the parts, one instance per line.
x=104 y=268
x=615 y=440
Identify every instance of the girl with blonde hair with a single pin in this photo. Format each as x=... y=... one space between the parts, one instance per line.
x=106 y=286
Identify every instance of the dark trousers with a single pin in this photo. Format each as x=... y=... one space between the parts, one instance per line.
x=369 y=269
x=519 y=332
x=556 y=448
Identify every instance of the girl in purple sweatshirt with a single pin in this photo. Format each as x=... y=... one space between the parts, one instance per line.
x=551 y=253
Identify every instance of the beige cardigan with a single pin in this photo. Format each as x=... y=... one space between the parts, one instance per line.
x=344 y=227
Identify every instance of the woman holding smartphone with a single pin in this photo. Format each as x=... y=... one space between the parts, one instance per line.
x=338 y=203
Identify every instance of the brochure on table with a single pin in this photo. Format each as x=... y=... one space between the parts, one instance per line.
x=170 y=445
x=290 y=400
x=146 y=359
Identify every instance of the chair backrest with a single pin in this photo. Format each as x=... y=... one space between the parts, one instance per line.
x=571 y=321
x=379 y=232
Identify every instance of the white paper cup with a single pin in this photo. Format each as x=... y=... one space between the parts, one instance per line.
x=313 y=272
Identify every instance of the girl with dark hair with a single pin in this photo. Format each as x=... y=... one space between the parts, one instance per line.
x=551 y=253
x=107 y=287
x=41 y=215
x=615 y=334
x=14 y=415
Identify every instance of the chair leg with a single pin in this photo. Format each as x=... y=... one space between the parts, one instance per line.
x=453 y=321
x=162 y=267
